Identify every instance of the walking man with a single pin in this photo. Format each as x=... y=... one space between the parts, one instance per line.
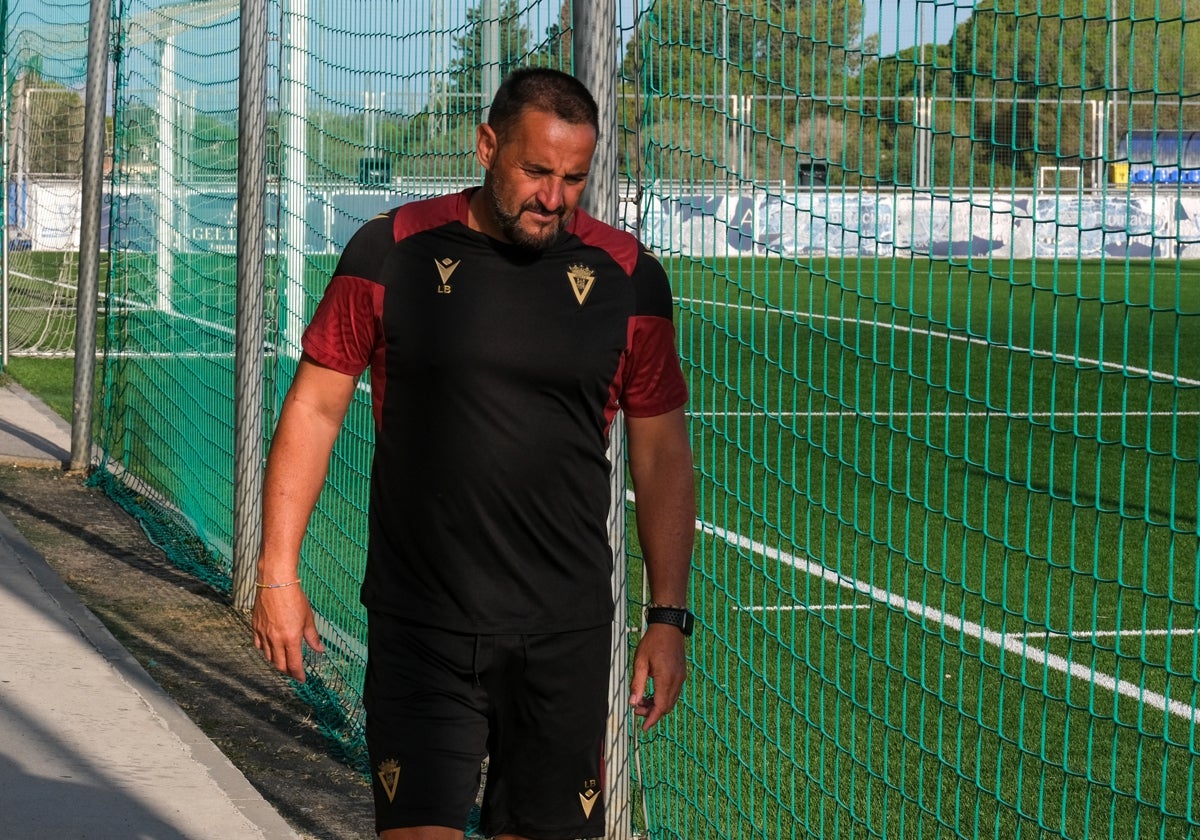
x=503 y=329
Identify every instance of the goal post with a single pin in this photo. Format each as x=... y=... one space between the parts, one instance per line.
x=1059 y=178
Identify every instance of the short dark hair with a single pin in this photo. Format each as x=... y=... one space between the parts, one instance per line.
x=543 y=89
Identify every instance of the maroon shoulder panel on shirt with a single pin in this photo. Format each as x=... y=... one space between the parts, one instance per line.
x=623 y=247
x=344 y=332
x=426 y=214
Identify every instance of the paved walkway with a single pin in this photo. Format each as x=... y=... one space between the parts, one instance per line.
x=90 y=746
x=31 y=435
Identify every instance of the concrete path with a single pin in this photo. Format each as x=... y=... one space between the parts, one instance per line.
x=90 y=746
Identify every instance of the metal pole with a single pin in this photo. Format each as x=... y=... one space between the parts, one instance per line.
x=492 y=56
x=248 y=352
x=725 y=88
x=87 y=293
x=295 y=57
x=1112 y=39
x=4 y=243
x=746 y=135
x=595 y=49
x=922 y=179
x=168 y=180
x=436 y=65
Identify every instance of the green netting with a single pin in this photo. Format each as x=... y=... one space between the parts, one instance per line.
x=45 y=65
x=945 y=409
x=938 y=283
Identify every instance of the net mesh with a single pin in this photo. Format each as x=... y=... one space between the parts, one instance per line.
x=937 y=272
x=945 y=567
x=45 y=66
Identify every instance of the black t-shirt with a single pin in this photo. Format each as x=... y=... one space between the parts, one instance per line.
x=495 y=374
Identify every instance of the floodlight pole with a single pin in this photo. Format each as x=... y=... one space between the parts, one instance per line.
x=492 y=57
x=92 y=198
x=294 y=54
x=248 y=352
x=595 y=49
x=1113 y=98
x=920 y=106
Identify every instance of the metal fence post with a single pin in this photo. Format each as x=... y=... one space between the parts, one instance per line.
x=595 y=49
x=248 y=353
x=92 y=198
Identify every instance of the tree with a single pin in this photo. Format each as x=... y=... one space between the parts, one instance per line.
x=742 y=89
x=697 y=47
x=1028 y=70
x=1022 y=45
x=47 y=126
x=466 y=70
x=557 y=50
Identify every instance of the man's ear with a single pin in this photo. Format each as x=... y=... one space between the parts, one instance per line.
x=486 y=145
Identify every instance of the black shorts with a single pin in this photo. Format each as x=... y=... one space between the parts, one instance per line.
x=438 y=702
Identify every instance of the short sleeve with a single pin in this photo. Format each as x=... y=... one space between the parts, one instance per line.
x=345 y=329
x=653 y=380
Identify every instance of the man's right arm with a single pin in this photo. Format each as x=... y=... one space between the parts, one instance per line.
x=312 y=415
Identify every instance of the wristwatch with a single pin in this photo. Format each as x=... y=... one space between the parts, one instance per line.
x=679 y=617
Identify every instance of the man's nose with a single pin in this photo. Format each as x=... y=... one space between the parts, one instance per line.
x=551 y=195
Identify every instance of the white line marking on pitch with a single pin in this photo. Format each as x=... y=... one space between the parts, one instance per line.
x=1154 y=375
x=1084 y=635
x=806 y=608
x=1013 y=643
x=881 y=415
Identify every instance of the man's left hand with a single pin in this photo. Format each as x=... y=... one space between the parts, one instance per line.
x=660 y=657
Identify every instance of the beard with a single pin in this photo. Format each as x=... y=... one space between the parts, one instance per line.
x=510 y=224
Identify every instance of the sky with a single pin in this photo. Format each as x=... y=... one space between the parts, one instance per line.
x=896 y=21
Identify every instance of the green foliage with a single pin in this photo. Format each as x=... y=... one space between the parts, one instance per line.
x=697 y=48
x=1020 y=86
x=1027 y=73
x=47 y=126
x=1016 y=48
x=213 y=145
x=135 y=134
x=438 y=141
x=556 y=50
x=697 y=64
x=515 y=46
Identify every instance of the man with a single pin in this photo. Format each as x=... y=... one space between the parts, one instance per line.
x=503 y=329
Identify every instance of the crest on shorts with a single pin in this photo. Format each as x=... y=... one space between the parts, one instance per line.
x=589 y=796
x=389 y=777
x=581 y=278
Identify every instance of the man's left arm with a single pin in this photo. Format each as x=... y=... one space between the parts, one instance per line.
x=660 y=464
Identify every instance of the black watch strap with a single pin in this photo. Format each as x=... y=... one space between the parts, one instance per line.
x=674 y=616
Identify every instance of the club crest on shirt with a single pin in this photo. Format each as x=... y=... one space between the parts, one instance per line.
x=581 y=278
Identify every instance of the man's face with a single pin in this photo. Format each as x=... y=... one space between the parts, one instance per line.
x=536 y=175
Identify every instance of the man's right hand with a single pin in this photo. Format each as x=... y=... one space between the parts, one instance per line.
x=309 y=421
x=282 y=621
